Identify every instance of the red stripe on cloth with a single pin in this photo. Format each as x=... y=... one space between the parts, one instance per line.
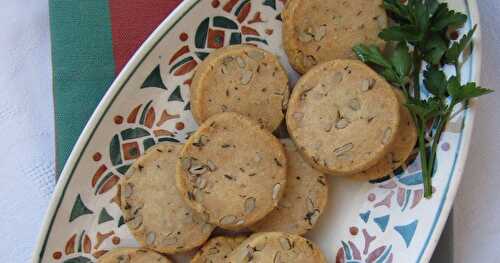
x=132 y=21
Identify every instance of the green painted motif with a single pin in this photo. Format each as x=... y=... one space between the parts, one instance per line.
x=270 y=3
x=114 y=151
x=134 y=133
x=80 y=259
x=202 y=55
x=143 y=115
x=80 y=241
x=180 y=63
x=176 y=95
x=201 y=35
x=104 y=216
x=123 y=169
x=154 y=80
x=148 y=143
x=79 y=209
x=121 y=221
x=240 y=7
x=102 y=182
x=224 y=22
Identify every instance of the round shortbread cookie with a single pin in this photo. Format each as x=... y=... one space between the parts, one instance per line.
x=132 y=255
x=153 y=209
x=243 y=79
x=333 y=30
x=303 y=201
x=217 y=249
x=276 y=247
x=406 y=138
x=232 y=171
x=343 y=117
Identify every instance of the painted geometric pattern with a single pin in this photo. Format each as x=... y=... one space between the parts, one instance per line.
x=161 y=113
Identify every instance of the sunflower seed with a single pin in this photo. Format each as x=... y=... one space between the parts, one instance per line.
x=128 y=190
x=367 y=84
x=276 y=191
x=354 y=104
x=240 y=222
x=211 y=166
x=277 y=257
x=313 y=218
x=320 y=33
x=227 y=60
x=213 y=251
x=150 y=238
x=256 y=55
x=310 y=61
x=135 y=222
x=337 y=78
x=343 y=149
x=305 y=37
x=206 y=228
x=260 y=246
x=327 y=126
x=169 y=240
x=310 y=205
x=285 y=243
x=341 y=124
x=387 y=136
x=249 y=205
x=198 y=195
x=201 y=183
x=198 y=169
x=246 y=77
x=227 y=220
x=186 y=163
x=298 y=116
x=241 y=62
x=123 y=259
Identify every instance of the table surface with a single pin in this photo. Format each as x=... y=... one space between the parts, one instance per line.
x=27 y=141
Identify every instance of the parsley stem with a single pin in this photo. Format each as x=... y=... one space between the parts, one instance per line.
x=417 y=60
x=442 y=121
x=458 y=72
x=427 y=176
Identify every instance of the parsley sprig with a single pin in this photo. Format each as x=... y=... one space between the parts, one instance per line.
x=421 y=38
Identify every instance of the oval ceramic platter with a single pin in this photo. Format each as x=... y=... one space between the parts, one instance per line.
x=387 y=221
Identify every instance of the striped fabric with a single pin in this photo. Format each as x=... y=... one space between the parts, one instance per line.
x=92 y=40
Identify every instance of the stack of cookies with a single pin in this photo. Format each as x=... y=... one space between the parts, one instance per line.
x=235 y=175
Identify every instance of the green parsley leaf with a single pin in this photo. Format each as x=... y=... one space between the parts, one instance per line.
x=435 y=81
x=432 y=6
x=401 y=60
x=421 y=16
x=434 y=49
x=398 y=11
x=453 y=53
x=463 y=93
x=371 y=54
x=426 y=109
x=407 y=33
x=444 y=17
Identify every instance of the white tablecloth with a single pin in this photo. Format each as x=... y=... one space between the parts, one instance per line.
x=27 y=140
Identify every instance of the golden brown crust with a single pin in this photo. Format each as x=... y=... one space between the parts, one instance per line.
x=217 y=249
x=243 y=79
x=343 y=117
x=316 y=31
x=274 y=247
x=232 y=171
x=132 y=255
x=303 y=201
x=152 y=208
x=406 y=138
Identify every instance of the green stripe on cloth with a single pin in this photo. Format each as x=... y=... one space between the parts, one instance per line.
x=83 y=66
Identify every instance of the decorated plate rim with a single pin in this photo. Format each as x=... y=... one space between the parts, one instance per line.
x=164 y=28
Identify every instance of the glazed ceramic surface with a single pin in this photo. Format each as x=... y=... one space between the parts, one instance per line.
x=384 y=221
